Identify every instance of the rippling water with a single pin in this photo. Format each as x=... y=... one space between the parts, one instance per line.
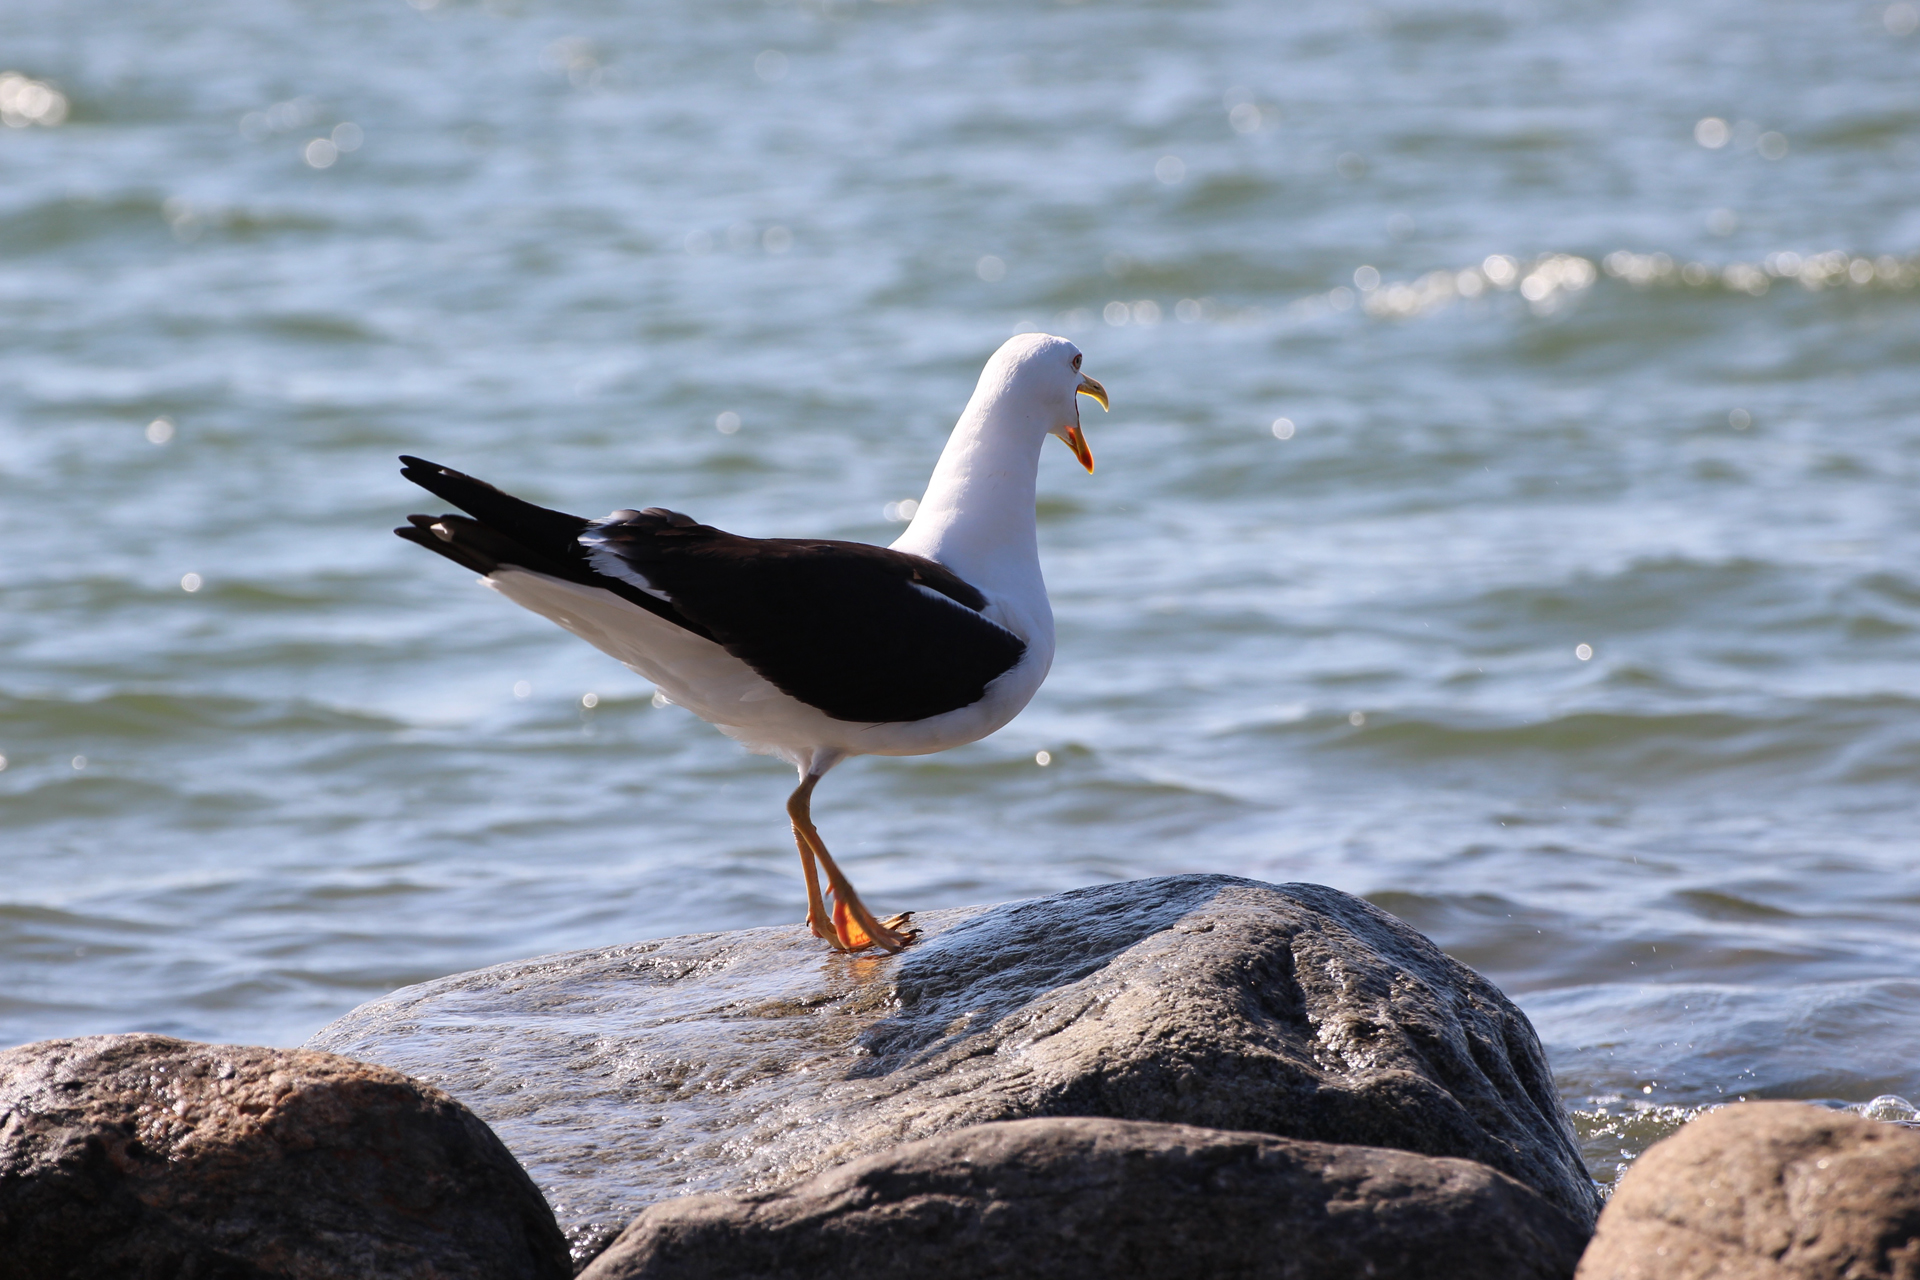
x=1576 y=618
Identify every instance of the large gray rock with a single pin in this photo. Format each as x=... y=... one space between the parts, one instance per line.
x=147 y=1158
x=1096 y=1199
x=1766 y=1191
x=743 y=1061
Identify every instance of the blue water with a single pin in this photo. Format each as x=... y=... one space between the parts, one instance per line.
x=1591 y=325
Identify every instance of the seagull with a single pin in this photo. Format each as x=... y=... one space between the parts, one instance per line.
x=809 y=649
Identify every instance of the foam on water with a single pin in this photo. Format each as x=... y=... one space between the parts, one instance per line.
x=1574 y=616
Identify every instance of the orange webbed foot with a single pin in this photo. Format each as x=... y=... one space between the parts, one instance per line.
x=852 y=935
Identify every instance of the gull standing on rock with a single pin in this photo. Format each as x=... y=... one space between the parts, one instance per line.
x=804 y=648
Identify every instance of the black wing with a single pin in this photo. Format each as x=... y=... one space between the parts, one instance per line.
x=862 y=633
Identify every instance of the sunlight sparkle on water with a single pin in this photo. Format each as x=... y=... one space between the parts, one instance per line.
x=159 y=431
x=1144 y=312
x=25 y=101
x=1549 y=282
x=291 y=114
x=576 y=59
x=1812 y=271
x=190 y=583
x=186 y=221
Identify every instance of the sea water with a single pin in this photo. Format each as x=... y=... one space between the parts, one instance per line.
x=1508 y=509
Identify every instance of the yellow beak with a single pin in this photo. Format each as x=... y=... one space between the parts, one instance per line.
x=1078 y=443
x=1072 y=435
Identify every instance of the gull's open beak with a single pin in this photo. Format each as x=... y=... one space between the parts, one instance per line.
x=1078 y=443
x=1088 y=387
x=1072 y=434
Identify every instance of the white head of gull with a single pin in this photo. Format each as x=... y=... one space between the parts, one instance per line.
x=804 y=648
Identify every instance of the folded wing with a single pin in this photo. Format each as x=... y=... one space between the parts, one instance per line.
x=862 y=633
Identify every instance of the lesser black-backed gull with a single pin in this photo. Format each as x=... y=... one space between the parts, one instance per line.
x=805 y=648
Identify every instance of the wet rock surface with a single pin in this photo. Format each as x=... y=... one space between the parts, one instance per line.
x=1766 y=1191
x=742 y=1062
x=1077 y=1199
x=140 y=1156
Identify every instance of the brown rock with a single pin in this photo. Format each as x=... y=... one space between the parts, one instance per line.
x=1097 y=1199
x=143 y=1157
x=742 y=1062
x=1766 y=1191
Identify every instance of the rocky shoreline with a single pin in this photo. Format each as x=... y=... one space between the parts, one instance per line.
x=1189 y=1075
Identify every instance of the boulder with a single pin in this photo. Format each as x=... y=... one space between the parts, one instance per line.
x=1094 y=1199
x=143 y=1157
x=744 y=1061
x=1766 y=1191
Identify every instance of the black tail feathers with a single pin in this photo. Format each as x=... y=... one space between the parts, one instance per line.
x=503 y=531
x=549 y=534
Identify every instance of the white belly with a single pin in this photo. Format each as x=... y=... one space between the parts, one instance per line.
x=724 y=691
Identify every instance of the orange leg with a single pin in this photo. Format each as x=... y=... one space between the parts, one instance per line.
x=850 y=927
x=797 y=812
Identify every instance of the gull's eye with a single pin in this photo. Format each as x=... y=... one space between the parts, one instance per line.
x=1076 y=362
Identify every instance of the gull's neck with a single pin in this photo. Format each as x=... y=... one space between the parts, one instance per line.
x=977 y=516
